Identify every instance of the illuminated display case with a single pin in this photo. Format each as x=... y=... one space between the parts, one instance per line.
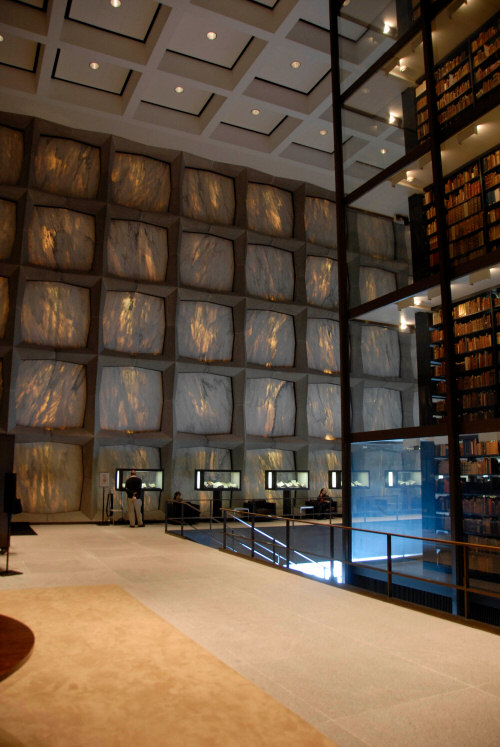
x=217 y=479
x=279 y=479
x=152 y=479
x=358 y=479
x=403 y=479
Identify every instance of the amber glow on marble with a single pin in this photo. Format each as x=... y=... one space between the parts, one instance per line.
x=55 y=314
x=130 y=399
x=206 y=323
x=7 y=227
x=269 y=210
x=4 y=304
x=11 y=148
x=140 y=182
x=50 y=394
x=208 y=196
x=133 y=322
x=67 y=167
x=61 y=238
x=57 y=472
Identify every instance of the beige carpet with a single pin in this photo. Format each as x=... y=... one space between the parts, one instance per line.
x=105 y=670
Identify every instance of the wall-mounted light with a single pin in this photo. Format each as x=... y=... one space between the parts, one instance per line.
x=409 y=177
x=403 y=324
x=467 y=133
x=402 y=66
x=387 y=28
x=394 y=119
x=455 y=6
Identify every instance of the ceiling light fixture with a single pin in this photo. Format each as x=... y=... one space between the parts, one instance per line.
x=211 y=35
x=409 y=177
x=255 y=112
x=2 y=38
x=94 y=66
x=387 y=28
x=403 y=324
x=295 y=64
x=402 y=66
x=323 y=132
x=393 y=118
x=383 y=151
x=179 y=89
x=115 y=3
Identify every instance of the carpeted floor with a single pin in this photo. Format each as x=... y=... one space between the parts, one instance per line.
x=106 y=671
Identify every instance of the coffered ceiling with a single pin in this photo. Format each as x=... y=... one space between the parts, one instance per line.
x=160 y=80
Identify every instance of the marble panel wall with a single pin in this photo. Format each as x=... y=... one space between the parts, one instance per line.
x=49 y=477
x=4 y=304
x=50 y=394
x=133 y=322
x=381 y=409
x=371 y=234
x=62 y=239
x=11 y=148
x=55 y=314
x=203 y=403
x=270 y=407
x=67 y=167
x=140 y=182
x=380 y=351
x=256 y=463
x=137 y=250
x=321 y=222
x=111 y=458
x=186 y=461
x=322 y=282
x=270 y=210
x=206 y=261
x=323 y=410
x=204 y=331
x=320 y=462
x=323 y=345
x=269 y=273
x=269 y=338
x=208 y=197
x=7 y=227
x=374 y=282
x=130 y=399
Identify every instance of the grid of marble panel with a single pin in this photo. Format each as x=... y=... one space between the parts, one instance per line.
x=158 y=311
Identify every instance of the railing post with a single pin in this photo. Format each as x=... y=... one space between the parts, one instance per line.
x=287 y=543
x=182 y=519
x=253 y=536
x=465 y=551
x=332 y=551
x=166 y=516
x=224 y=528
x=389 y=566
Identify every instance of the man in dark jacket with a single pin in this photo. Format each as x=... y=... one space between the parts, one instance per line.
x=133 y=489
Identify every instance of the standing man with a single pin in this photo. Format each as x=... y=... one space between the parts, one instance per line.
x=133 y=489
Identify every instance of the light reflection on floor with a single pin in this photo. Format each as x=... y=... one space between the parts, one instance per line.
x=321 y=569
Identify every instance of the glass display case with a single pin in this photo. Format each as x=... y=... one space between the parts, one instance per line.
x=403 y=479
x=152 y=479
x=217 y=479
x=285 y=479
x=358 y=479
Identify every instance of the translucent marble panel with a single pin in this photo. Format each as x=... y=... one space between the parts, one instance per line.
x=59 y=238
x=323 y=345
x=203 y=403
x=67 y=167
x=130 y=399
x=256 y=463
x=204 y=331
x=140 y=182
x=184 y=464
x=49 y=477
x=370 y=234
x=206 y=262
x=270 y=407
x=270 y=338
x=380 y=351
x=111 y=458
x=7 y=227
x=50 y=394
x=321 y=222
x=320 y=462
x=133 y=322
x=4 y=304
x=137 y=250
x=269 y=273
x=11 y=148
x=269 y=210
x=381 y=409
x=208 y=197
x=323 y=410
x=55 y=314
x=322 y=286
x=374 y=282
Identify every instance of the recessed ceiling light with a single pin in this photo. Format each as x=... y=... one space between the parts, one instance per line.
x=383 y=151
x=323 y=132
x=256 y=112
x=402 y=66
x=2 y=38
x=365 y=90
x=409 y=177
x=94 y=66
x=211 y=35
x=295 y=64
x=179 y=89
x=115 y=3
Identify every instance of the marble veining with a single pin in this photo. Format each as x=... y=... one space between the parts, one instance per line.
x=323 y=345
x=133 y=322
x=50 y=394
x=270 y=210
x=11 y=148
x=319 y=463
x=257 y=461
x=140 y=182
x=7 y=227
x=380 y=351
x=203 y=403
x=130 y=399
x=49 y=477
x=60 y=238
x=204 y=331
x=206 y=261
x=381 y=408
x=374 y=234
x=67 y=167
x=137 y=250
x=186 y=461
x=208 y=197
x=4 y=304
x=374 y=282
x=270 y=407
x=269 y=338
x=320 y=221
x=323 y=410
x=322 y=282
x=269 y=273
x=55 y=314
